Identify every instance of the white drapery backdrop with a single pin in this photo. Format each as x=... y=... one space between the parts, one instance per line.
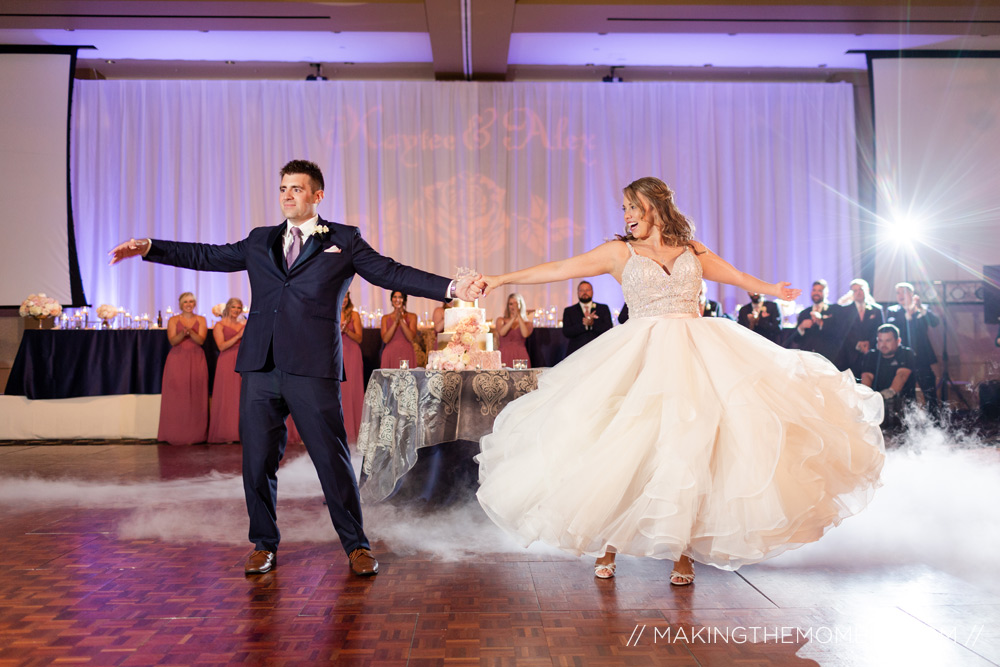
x=493 y=176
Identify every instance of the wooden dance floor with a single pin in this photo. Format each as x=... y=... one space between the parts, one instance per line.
x=112 y=556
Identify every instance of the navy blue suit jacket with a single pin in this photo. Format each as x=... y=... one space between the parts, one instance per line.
x=296 y=312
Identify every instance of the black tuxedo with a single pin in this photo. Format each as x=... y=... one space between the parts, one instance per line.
x=577 y=333
x=823 y=339
x=768 y=326
x=857 y=328
x=913 y=334
x=291 y=360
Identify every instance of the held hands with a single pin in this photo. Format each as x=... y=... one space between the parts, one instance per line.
x=129 y=248
x=471 y=287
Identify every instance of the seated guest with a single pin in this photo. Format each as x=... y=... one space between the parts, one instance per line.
x=889 y=371
x=585 y=320
x=513 y=328
x=224 y=425
x=399 y=330
x=817 y=328
x=184 y=397
x=352 y=389
x=913 y=319
x=862 y=316
x=762 y=316
x=709 y=308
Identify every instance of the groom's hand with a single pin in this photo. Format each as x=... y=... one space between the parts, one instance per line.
x=470 y=287
x=130 y=248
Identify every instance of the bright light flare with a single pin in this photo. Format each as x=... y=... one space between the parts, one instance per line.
x=906 y=230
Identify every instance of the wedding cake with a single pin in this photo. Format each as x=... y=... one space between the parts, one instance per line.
x=466 y=313
x=466 y=342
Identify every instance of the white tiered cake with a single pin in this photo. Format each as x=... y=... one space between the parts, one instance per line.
x=466 y=342
x=466 y=312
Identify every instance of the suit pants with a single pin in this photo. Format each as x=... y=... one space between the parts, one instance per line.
x=927 y=382
x=266 y=399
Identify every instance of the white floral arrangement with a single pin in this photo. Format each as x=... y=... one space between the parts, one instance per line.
x=459 y=354
x=40 y=307
x=219 y=309
x=106 y=311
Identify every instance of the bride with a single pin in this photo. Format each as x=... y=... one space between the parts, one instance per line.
x=675 y=436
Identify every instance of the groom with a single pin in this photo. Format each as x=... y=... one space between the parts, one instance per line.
x=290 y=359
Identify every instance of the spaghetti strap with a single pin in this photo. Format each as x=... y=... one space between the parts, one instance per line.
x=631 y=250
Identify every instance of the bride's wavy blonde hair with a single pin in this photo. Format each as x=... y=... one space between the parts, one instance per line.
x=677 y=230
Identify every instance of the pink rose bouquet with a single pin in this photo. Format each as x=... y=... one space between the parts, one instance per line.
x=40 y=307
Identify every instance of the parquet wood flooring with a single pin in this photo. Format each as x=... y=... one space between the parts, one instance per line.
x=77 y=587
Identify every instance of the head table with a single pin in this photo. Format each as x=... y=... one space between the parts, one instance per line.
x=53 y=363
x=407 y=410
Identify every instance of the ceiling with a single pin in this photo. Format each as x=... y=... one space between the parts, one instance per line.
x=493 y=39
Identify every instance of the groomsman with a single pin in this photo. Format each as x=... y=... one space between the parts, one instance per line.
x=710 y=308
x=913 y=319
x=762 y=316
x=817 y=327
x=585 y=320
x=862 y=317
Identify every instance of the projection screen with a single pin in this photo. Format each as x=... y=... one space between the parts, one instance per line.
x=38 y=253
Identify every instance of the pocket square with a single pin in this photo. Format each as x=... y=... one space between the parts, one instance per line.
x=332 y=248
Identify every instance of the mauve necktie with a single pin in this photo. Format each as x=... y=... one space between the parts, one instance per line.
x=295 y=249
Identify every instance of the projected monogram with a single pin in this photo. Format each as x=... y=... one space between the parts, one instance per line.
x=518 y=129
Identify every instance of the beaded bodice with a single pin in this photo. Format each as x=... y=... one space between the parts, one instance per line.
x=649 y=291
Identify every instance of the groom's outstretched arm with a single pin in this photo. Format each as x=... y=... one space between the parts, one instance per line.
x=199 y=256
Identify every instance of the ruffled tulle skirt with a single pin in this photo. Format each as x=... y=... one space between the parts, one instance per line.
x=695 y=436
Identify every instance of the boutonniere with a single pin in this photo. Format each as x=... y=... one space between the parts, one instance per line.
x=322 y=229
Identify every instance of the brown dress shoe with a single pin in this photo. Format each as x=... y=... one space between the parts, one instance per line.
x=363 y=563
x=260 y=562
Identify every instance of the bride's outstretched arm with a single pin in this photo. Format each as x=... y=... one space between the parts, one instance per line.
x=719 y=270
x=602 y=259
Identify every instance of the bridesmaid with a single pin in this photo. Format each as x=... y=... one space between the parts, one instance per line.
x=352 y=390
x=224 y=425
x=399 y=330
x=513 y=328
x=184 y=397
